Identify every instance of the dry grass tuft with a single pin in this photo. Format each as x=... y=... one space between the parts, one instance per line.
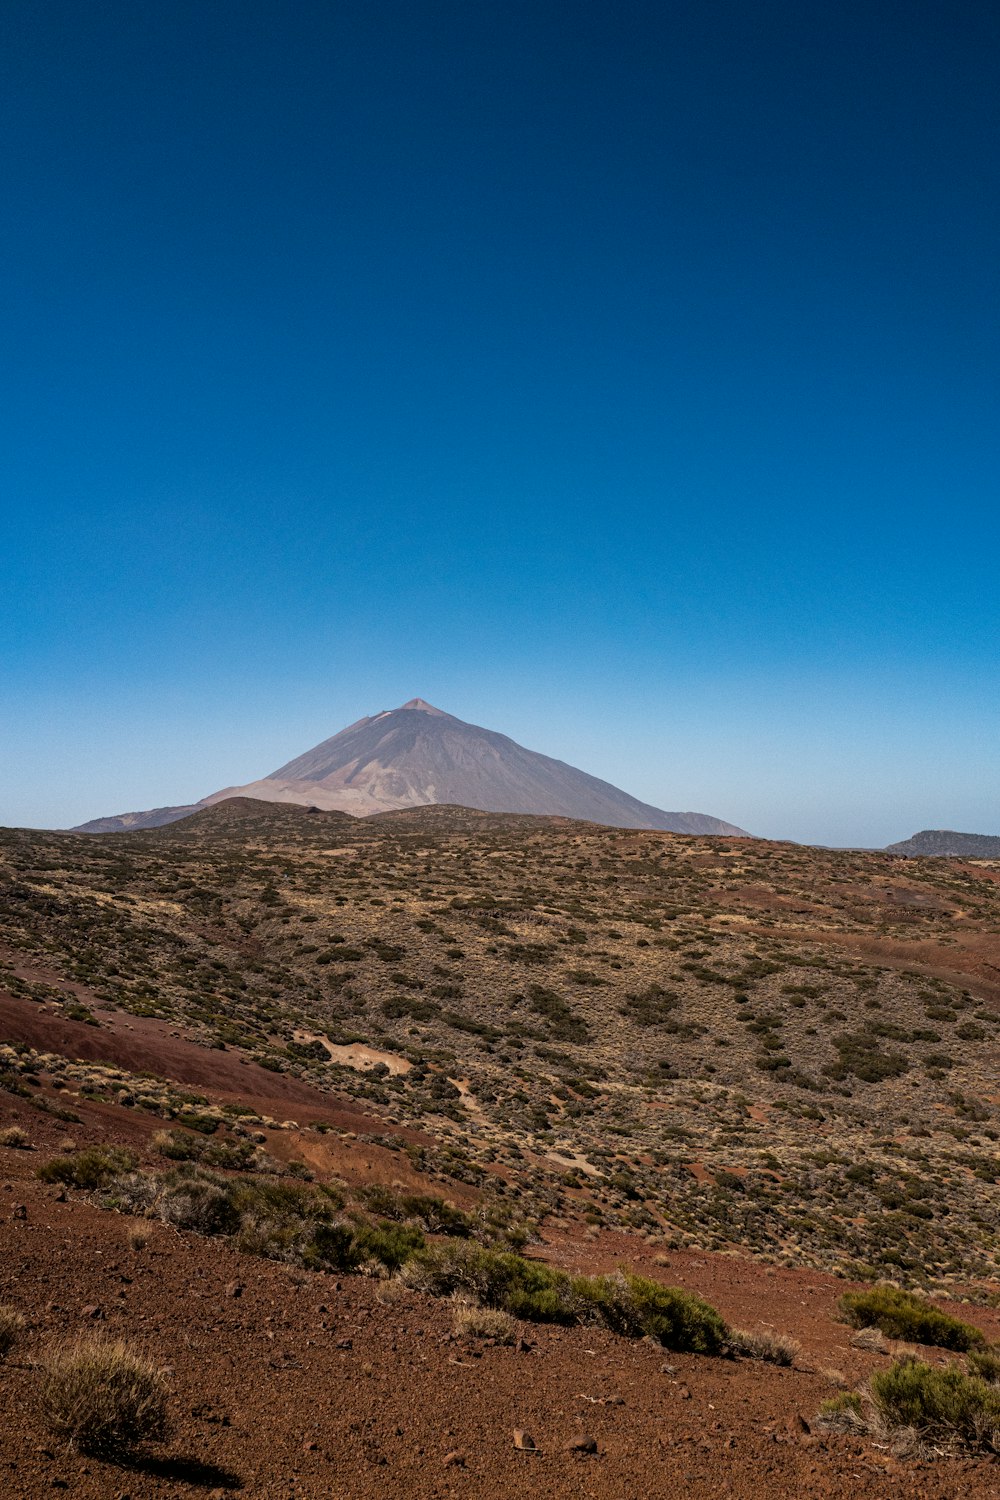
x=101 y=1398
x=472 y=1321
x=11 y=1328
x=764 y=1343
x=16 y=1137
x=871 y=1339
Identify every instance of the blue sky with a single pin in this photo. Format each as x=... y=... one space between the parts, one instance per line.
x=621 y=376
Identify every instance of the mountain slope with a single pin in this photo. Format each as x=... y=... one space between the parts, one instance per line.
x=417 y=755
x=942 y=842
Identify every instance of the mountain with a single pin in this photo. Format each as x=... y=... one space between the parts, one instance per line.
x=417 y=755
x=942 y=842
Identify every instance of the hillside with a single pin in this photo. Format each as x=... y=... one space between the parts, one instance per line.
x=610 y=998
x=417 y=755
x=938 y=842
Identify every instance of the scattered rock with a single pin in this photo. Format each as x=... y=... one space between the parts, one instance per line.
x=234 y=1289
x=455 y=1459
x=524 y=1442
x=684 y=1393
x=93 y=1310
x=581 y=1445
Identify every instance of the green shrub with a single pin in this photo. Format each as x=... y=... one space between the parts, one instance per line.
x=92 y=1168
x=177 y=1145
x=632 y=1306
x=843 y=1412
x=986 y=1364
x=944 y=1405
x=437 y=1216
x=901 y=1315
x=390 y=1244
x=675 y=1318
x=102 y=1399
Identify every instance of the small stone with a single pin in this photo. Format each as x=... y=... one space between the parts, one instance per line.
x=524 y=1442
x=581 y=1445
x=455 y=1459
x=344 y=1344
x=20 y=1211
x=311 y=1447
x=234 y=1289
x=797 y=1424
x=684 y=1393
x=93 y=1311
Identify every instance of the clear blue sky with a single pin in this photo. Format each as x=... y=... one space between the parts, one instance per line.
x=622 y=376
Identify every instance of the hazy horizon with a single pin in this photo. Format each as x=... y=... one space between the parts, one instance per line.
x=621 y=378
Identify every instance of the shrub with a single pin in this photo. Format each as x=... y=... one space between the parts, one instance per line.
x=92 y=1168
x=763 y=1343
x=103 y=1399
x=675 y=1318
x=986 y=1364
x=843 y=1412
x=15 y=1137
x=494 y=1278
x=436 y=1216
x=178 y=1145
x=944 y=1405
x=632 y=1306
x=901 y=1315
x=392 y=1245
x=11 y=1328
x=199 y=1204
x=132 y=1193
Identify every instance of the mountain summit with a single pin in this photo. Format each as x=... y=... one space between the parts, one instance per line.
x=416 y=755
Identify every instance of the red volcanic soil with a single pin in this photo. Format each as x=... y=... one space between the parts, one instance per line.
x=140 y=1044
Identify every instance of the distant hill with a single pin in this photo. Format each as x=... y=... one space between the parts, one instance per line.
x=133 y=822
x=942 y=842
x=417 y=756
